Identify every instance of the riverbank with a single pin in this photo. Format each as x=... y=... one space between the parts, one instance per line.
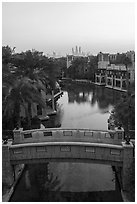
x=129 y=195
x=50 y=107
x=75 y=182
x=56 y=97
x=8 y=191
x=86 y=81
x=80 y=108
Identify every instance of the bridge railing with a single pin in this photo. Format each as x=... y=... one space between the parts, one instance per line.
x=57 y=134
x=34 y=152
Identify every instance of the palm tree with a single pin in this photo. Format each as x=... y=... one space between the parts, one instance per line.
x=36 y=66
x=24 y=92
x=24 y=76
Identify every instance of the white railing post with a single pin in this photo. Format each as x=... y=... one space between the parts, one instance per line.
x=53 y=105
x=119 y=133
x=17 y=135
x=127 y=164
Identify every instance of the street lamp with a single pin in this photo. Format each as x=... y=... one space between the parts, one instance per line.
x=127 y=138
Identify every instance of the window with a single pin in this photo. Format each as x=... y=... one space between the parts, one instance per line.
x=109 y=82
x=88 y=134
x=129 y=75
x=27 y=135
x=118 y=84
x=17 y=151
x=46 y=134
x=65 y=149
x=115 y=152
x=124 y=84
x=67 y=133
x=90 y=149
x=98 y=79
x=103 y=80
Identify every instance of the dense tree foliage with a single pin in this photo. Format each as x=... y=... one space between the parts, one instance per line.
x=77 y=69
x=124 y=111
x=24 y=76
x=24 y=92
x=83 y=68
x=92 y=66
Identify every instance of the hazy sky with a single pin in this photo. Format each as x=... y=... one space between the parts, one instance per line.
x=48 y=27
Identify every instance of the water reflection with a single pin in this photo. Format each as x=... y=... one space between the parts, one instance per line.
x=92 y=94
x=75 y=178
x=37 y=184
x=83 y=106
x=58 y=182
x=86 y=106
x=79 y=107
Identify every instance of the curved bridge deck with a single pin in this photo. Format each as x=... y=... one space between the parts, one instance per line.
x=68 y=135
x=76 y=151
x=77 y=145
x=67 y=144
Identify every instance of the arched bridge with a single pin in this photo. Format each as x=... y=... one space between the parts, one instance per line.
x=67 y=144
x=77 y=145
x=66 y=151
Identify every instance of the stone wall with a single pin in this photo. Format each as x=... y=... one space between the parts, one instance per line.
x=7 y=169
x=9 y=173
x=127 y=163
x=40 y=152
x=77 y=135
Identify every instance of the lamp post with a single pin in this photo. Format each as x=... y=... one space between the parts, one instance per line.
x=127 y=138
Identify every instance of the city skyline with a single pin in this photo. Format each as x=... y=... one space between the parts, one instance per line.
x=58 y=27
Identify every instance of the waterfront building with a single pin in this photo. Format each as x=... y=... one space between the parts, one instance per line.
x=131 y=68
x=112 y=58
x=113 y=75
x=116 y=76
x=103 y=61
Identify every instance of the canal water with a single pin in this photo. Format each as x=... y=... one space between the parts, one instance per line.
x=81 y=106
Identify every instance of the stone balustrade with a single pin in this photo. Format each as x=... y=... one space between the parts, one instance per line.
x=77 y=145
x=82 y=151
x=57 y=134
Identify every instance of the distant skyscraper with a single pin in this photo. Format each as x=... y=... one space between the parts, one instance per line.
x=76 y=50
x=79 y=50
x=72 y=51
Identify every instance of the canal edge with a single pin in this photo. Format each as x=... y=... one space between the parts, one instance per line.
x=123 y=193
x=124 y=197
x=6 y=197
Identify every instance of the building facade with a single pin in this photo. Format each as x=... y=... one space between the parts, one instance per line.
x=116 y=76
x=103 y=62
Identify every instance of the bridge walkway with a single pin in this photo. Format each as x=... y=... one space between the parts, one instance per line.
x=68 y=135
x=77 y=145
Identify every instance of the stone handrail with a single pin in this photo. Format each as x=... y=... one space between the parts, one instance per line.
x=55 y=134
x=66 y=143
